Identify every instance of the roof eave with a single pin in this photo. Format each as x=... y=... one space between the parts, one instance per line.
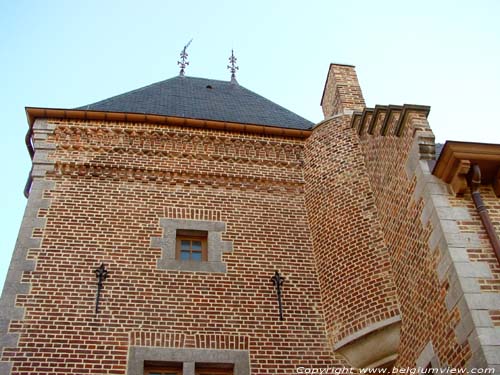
x=456 y=158
x=33 y=113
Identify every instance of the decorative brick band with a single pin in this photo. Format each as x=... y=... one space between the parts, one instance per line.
x=191 y=213
x=179 y=177
x=176 y=154
x=156 y=140
x=216 y=246
x=464 y=293
x=161 y=339
x=26 y=240
x=214 y=341
x=183 y=340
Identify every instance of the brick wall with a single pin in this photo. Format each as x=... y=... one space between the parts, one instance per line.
x=351 y=217
x=483 y=325
x=113 y=182
x=483 y=252
x=351 y=256
x=401 y=201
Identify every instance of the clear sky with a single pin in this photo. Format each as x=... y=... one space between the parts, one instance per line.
x=65 y=54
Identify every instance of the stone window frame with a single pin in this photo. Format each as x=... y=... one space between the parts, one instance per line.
x=138 y=355
x=215 y=245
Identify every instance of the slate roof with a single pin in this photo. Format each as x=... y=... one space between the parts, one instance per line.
x=201 y=98
x=439 y=148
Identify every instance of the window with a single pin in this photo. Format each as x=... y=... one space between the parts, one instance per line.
x=164 y=371
x=151 y=360
x=152 y=368
x=159 y=368
x=191 y=245
x=213 y=369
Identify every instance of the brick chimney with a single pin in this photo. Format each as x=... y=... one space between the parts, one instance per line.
x=342 y=93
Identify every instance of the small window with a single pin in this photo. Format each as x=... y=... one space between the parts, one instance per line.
x=172 y=368
x=153 y=368
x=213 y=369
x=191 y=245
x=187 y=256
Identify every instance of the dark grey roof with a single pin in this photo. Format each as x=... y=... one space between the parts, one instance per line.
x=202 y=98
x=439 y=148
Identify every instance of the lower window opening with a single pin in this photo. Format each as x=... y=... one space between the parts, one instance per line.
x=213 y=369
x=162 y=368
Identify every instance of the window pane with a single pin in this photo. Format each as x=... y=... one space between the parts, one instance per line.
x=184 y=255
x=196 y=245
x=196 y=256
x=185 y=244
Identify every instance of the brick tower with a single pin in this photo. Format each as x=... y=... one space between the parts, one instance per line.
x=197 y=196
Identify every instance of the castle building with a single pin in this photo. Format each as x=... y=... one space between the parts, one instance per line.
x=195 y=227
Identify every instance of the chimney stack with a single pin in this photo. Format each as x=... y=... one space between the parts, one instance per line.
x=342 y=93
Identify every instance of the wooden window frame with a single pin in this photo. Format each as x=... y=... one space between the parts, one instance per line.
x=200 y=369
x=214 y=369
x=163 y=370
x=214 y=372
x=192 y=235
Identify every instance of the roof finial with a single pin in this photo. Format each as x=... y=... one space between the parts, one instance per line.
x=233 y=68
x=183 y=63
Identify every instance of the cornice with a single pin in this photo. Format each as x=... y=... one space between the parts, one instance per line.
x=456 y=159
x=393 y=119
x=33 y=113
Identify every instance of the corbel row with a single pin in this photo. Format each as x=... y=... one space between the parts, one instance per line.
x=386 y=120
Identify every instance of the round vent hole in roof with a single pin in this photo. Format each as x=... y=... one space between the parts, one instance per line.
x=209 y=87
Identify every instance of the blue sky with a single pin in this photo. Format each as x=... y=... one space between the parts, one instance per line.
x=65 y=54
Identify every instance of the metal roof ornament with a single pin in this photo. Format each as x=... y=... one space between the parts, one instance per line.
x=183 y=63
x=233 y=67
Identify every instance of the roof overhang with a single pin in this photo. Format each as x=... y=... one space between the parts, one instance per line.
x=33 y=113
x=456 y=158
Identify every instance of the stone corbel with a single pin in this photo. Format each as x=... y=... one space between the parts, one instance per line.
x=458 y=182
x=456 y=159
x=373 y=346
